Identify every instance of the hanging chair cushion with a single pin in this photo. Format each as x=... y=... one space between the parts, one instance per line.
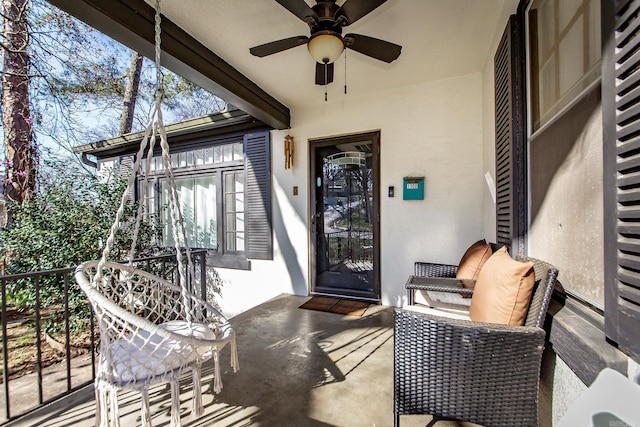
x=144 y=355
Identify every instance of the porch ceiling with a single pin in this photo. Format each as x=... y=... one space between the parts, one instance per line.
x=210 y=42
x=439 y=38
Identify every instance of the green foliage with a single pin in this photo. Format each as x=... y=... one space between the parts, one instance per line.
x=66 y=223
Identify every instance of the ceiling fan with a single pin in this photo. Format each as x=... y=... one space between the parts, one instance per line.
x=326 y=42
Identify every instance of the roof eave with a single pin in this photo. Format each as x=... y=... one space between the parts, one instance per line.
x=200 y=127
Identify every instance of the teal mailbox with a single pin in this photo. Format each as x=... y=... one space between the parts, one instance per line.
x=413 y=188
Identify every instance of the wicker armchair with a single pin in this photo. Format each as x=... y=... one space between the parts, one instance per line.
x=470 y=371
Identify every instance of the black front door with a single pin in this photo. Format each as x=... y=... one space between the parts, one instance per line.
x=344 y=223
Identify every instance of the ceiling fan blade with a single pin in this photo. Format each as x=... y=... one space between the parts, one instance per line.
x=320 y=73
x=375 y=48
x=356 y=9
x=299 y=8
x=278 y=46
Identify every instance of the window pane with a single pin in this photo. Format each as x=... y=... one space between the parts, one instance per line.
x=197 y=197
x=228 y=153
x=239 y=202
x=208 y=155
x=231 y=243
x=240 y=222
x=234 y=211
x=238 y=153
x=239 y=178
x=174 y=160
x=206 y=213
x=240 y=241
x=191 y=158
x=229 y=181
x=229 y=200
x=217 y=154
x=199 y=157
x=150 y=198
x=231 y=222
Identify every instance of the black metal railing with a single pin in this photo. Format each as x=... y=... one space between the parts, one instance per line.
x=56 y=369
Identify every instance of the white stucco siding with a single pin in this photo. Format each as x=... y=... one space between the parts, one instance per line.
x=432 y=130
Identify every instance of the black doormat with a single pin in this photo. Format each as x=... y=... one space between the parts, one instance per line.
x=336 y=305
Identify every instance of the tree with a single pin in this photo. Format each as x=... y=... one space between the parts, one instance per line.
x=20 y=153
x=131 y=93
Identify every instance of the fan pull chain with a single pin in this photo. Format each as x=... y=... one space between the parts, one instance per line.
x=345 y=71
x=326 y=77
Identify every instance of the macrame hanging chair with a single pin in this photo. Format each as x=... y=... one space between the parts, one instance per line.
x=151 y=330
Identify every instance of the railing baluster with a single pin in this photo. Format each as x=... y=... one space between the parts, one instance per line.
x=5 y=351
x=203 y=275
x=38 y=339
x=92 y=325
x=67 y=335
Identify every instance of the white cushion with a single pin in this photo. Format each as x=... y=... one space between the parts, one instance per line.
x=444 y=299
x=144 y=355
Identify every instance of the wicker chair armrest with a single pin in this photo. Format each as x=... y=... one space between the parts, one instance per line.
x=499 y=366
x=451 y=286
x=437 y=284
x=429 y=269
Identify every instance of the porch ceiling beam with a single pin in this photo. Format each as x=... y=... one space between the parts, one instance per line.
x=131 y=22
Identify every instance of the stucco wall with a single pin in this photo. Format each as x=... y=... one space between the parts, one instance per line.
x=433 y=129
x=566 y=208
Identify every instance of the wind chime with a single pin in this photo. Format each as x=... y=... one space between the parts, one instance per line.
x=289 y=149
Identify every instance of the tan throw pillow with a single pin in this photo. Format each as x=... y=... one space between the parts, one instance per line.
x=503 y=290
x=473 y=260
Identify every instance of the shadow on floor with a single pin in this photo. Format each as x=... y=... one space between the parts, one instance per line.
x=297 y=368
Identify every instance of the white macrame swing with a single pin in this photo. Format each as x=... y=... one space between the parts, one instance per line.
x=151 y=330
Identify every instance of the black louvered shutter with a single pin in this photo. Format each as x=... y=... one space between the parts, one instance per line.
x=510 y=143
x=621 y=122
x=259 y=244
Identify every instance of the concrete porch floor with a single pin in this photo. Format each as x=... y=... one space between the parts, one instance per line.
x=297 y=368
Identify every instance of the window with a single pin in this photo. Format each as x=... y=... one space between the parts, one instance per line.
x=564 y=54
x=223 y=186
x=564 y=149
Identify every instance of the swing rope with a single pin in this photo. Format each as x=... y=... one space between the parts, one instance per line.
x=151 y=330
x=155 y=128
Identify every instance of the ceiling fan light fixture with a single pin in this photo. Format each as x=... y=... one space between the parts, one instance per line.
x=325 y=48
